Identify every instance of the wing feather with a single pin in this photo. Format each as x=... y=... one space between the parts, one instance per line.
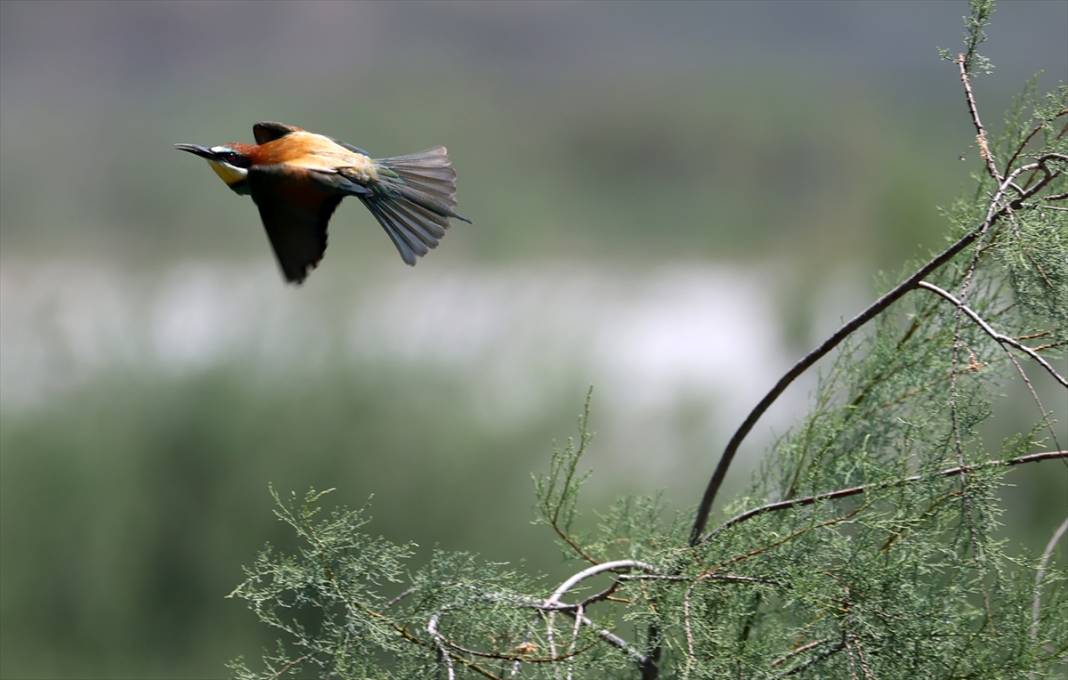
x=295 y=216
x=267 y=131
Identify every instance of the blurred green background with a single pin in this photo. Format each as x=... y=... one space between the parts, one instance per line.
x=671 y=202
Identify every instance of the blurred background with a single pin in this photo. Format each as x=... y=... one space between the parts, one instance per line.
x=671 y=202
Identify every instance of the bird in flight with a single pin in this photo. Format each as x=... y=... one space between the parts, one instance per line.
x=297 y=178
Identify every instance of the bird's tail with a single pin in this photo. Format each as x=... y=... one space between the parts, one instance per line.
x=413 y=199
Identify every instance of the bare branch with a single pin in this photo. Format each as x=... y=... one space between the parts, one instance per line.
x=997 y=337
x=400 y=596
x=730 y=578
x=690 y=654
x=589 y=572
x=1037 y=399
x=1040 y=575
x=1023 y=144
x=553 y=600
x=854 y=490
x=994 y=214
x=290 y=666
x=579 y=615
x=980 y=132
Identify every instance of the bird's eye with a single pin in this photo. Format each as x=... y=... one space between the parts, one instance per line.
x=236 y=159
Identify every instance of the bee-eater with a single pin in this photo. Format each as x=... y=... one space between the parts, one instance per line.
x=297 y=178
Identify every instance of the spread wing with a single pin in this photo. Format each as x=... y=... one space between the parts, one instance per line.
x=266 y=131
x=295 y=215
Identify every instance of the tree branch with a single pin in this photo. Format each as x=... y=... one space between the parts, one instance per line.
x=1026 y=140
x=800 y=650
x=553 y=600
x=997 y=337
x=553 y=604
x=855 y=490
x=980 y=132
x=994 y=214
x=590 y=572
x=1040 y=575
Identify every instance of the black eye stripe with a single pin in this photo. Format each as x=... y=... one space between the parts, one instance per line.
x=236 y=159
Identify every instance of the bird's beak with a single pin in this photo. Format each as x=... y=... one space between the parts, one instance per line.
x=196 y=149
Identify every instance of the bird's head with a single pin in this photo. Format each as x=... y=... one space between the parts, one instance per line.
x=229 y=161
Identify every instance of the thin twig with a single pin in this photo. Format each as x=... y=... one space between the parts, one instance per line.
x=1034 y=396
x=813 y=661
x=800 y=650
x=289 y=666
x=854 y=490
x=1040 y=575
x=833 y=521
x=730 y=578
x=980 y=132
x=1023 y=144
x=997 y=337
x=400 y=596
x=690 y=655
x=579 y=615
x=1028 y=138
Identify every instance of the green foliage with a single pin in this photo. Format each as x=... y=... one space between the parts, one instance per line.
x=974 y=35
x=558 y=491
x=881 y=557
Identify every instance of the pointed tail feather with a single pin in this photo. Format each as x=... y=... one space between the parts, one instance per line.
x=413 y=199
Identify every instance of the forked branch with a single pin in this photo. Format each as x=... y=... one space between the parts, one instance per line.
x=1000 y=338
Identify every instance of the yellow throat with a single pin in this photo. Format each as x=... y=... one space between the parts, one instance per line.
x=228 y=173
